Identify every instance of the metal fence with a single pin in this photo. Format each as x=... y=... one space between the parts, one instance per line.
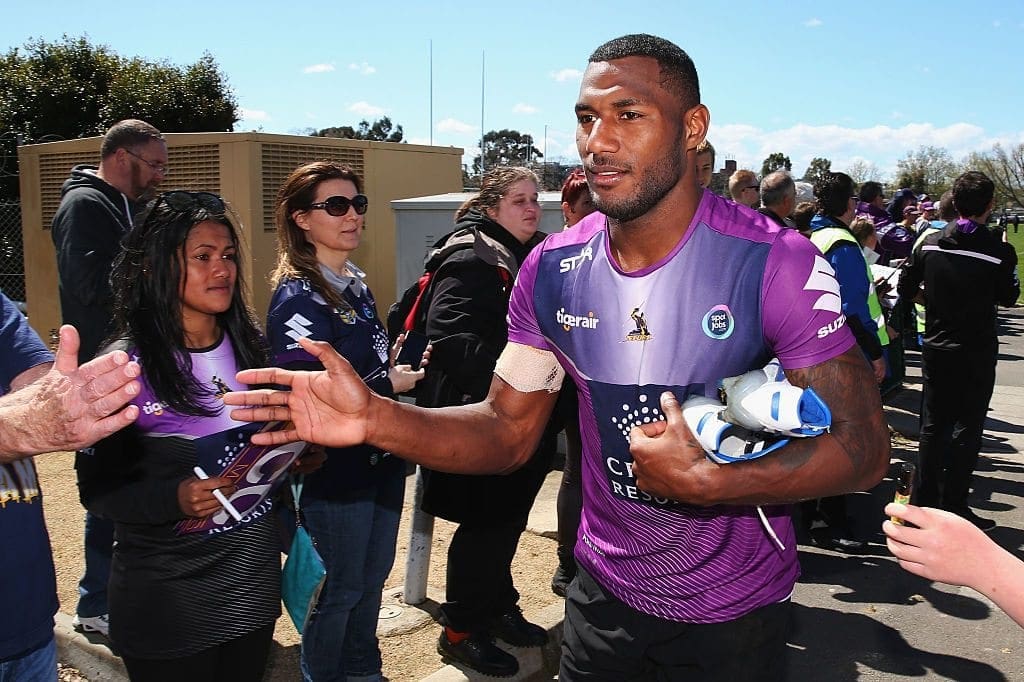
x=12 y=256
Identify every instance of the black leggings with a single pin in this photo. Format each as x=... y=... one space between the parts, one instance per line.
x=243 y=659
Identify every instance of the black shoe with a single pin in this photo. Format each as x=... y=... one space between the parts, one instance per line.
x=479 y=653
x=837 y=539
x=980 y=522
x=516 y=630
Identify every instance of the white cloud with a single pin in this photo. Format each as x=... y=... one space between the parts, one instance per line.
x=814 y=22
x=366 y=109
x=883 y=145
x=318 y=68
x=564 y=75
x=253 y=114
x=363 y=68
x=451 y=125
x=523 y=108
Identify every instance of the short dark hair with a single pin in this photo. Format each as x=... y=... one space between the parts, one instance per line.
x=833 y=192
x=128 y=134
x=870 y=191
x=947 y=211
x=802 y=216
x=677 y=69
x=972 y=193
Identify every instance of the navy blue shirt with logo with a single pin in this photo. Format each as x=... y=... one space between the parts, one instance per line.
x=355 y=330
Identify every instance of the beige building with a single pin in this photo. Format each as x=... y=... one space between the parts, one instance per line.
x=246 y=169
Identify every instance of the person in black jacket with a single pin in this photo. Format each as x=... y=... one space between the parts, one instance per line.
x=96 y=210
x=965 y=272
x=467 y=326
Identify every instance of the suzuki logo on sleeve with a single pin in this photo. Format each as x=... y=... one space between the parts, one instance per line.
x=298 y=327
x=823 y=279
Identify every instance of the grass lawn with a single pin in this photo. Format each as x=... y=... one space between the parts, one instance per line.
x=1016 y=237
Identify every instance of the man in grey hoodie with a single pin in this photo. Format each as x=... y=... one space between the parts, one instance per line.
x=97 y=208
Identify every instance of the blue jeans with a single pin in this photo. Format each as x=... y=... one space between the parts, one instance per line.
x=99 y=550
x=356 y=536
x=39 y=665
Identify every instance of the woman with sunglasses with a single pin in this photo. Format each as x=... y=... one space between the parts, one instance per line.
x=184 y=604
x=351 y=507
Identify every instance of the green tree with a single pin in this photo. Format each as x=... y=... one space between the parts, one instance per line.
x=1006 y=168
x=71 y=88
x=776 y=161
x=862 y=171
x=381 y=130
x=817 y=169
x=507 y=148
x=928 y=170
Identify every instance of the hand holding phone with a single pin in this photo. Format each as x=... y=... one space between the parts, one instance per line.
x=411 y=351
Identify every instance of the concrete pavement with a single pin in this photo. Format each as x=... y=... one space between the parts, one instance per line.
x=857 y=617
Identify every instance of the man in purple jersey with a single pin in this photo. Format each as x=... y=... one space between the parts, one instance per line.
x=661 y=294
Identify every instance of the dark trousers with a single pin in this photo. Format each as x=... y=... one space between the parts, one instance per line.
x=605 y=640
x=479 y=580
x=243 y=659
x=957 y=389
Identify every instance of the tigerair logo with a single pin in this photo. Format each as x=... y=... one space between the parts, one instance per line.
x=153 y=408
x=573 y=262
x=569 y=321
x=298 y=327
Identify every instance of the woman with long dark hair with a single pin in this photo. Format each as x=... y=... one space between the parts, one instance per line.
x=194 y=592
x=352 y=506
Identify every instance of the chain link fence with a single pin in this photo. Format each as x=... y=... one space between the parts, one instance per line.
x=12 y=257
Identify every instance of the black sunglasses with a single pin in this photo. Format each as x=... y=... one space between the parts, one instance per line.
x=180 y=200
x=338 y=206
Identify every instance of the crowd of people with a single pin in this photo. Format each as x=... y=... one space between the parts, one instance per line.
x=668 y=561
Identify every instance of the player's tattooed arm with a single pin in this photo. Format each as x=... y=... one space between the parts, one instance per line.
x=853 y=456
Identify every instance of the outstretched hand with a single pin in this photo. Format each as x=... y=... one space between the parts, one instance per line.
x=942 y=546
x=330 y=407
x=667 y=459
x=71 y=407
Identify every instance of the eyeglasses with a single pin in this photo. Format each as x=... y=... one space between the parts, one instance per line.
x=338 y=206
x=157 y=167
x=180 y=200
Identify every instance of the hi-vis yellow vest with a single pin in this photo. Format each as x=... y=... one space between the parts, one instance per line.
x=825 y=239
x=919 y=313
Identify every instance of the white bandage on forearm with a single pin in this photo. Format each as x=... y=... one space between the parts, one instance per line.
x=529 y=369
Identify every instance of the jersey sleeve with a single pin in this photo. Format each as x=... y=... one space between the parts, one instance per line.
x=522 y=316
x=802 y=311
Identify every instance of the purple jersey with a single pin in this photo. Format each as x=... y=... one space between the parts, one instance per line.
x=736 y=291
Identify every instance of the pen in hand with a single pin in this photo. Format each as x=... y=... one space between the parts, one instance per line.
x=218 y=495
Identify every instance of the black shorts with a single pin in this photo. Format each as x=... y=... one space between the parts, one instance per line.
x=608 y=640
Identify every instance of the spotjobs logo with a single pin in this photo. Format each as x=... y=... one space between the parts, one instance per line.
x=718 y=323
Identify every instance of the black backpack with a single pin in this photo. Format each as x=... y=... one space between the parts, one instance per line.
x=409 y=312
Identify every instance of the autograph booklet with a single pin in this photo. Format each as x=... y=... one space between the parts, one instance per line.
x=256 y=471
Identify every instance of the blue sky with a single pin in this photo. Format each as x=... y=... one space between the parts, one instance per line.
x=865 y=81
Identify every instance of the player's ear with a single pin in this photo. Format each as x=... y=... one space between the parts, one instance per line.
x=695 y=126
